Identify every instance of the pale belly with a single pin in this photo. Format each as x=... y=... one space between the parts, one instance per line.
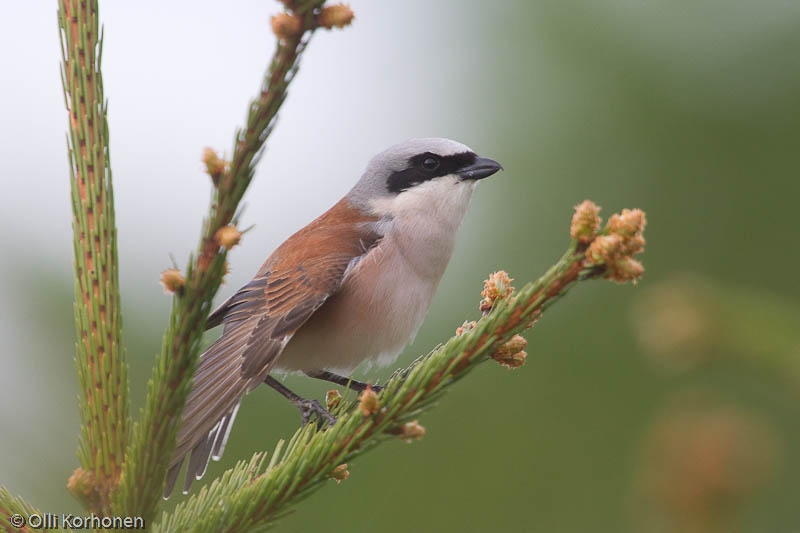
x=372 y=318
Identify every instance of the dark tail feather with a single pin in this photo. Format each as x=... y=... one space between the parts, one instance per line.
x=211 y=448
x=198 y=460
x=172 y=477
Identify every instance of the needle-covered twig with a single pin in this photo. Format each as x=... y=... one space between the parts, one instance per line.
x=100 y=362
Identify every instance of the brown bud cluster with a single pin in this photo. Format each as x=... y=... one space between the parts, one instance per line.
x=465 y=327
x=628 y=223
x=215 y=165
x=83 y=485
x=585 y=222
x=332 y=399
x=340 y=473
x=616 y=249
x=228 y=236
x=411 y=431
x=512 y=354
x=336 y=16
x=368 y=402
x=497 y=287
x=173 y=281
x=286 y=26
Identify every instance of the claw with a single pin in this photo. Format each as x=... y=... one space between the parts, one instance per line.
x=310 y=408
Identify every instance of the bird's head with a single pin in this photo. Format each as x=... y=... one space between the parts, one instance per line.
x=433 y=175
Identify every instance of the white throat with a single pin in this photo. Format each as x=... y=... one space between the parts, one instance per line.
x=423 y=221
x=444 y=199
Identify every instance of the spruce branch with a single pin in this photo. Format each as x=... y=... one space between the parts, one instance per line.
x=14 y=512
x=100 y=360
x=153 y=438
x=253 y=494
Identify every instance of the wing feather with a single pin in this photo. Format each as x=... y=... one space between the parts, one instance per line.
x=259 y=320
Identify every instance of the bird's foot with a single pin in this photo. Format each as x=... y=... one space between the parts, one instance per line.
x=310 y=409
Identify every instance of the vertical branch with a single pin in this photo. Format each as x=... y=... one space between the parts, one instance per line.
x=100 y=362
x=154 y=434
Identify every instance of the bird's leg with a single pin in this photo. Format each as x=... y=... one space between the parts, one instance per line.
x=350 y=383
x=308 y=408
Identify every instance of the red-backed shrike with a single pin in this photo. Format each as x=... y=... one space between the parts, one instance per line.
x=353 y=285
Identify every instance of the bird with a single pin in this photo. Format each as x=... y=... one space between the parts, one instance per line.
x=353 y=285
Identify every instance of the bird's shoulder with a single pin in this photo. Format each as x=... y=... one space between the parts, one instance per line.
x=306 y=269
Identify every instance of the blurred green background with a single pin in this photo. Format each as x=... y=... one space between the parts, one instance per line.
x=668 y=406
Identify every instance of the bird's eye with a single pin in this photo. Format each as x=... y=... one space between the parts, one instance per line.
x=430 y=163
